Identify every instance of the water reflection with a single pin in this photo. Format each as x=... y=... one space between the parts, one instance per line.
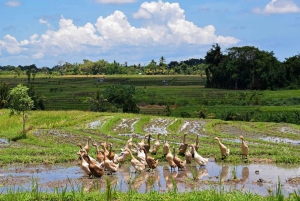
x=162 y=179
x=224 y=172
x=169 y=177
x=139 y=180
x=245 y=174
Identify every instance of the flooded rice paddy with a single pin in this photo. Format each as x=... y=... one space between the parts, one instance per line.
x=256 y=178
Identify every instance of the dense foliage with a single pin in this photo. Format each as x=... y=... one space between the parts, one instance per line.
x=250 y=68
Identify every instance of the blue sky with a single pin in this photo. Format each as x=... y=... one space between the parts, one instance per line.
x=49 y=32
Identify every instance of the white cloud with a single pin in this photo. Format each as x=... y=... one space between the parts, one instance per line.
x=38 y=55
x=278 y=7
x=164 y=27
x=13 y=3
x=10 y=44
x=42 y=21
x=115 y=1
x=142 y=14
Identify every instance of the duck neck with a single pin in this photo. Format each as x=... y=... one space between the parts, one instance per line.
x=104 y=149
x=169 y=151
x=130 y=153
x=106 y=141
x=97 y=150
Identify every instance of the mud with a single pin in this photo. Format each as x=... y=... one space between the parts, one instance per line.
x=237 y=131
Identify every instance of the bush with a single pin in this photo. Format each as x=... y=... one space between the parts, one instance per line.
x=185 y=114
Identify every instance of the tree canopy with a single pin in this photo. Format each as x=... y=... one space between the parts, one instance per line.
x=248 y=67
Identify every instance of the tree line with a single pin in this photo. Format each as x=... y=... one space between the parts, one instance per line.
x=248 y=67
x=186 y=67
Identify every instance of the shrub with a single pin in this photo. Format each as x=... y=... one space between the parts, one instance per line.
x=185 y=114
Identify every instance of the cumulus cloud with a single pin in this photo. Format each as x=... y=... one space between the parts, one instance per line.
x=13 y=3
x=142 y=14
x=115 y=1
x=278 y=7
x=164 y=25
x=11 y=45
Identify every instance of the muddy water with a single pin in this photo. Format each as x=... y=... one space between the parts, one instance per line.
x=158 y=125
x=3 y=141
x=256 y=178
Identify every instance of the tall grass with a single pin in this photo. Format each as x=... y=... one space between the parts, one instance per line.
x=110 y=193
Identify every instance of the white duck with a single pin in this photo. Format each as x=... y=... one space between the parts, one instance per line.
x=199 y=159
x=110 y=165
x=138 y=165
x=121 y=158
x=141 y=156
x=84 y=165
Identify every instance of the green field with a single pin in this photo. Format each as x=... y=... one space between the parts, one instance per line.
x=53 y=135
x=186 y=96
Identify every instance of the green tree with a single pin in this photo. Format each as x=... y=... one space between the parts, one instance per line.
x=292 y=69
x=98 y=103
x=38 y=99
x=20 y=103
x=28 y=73
x=122 y=96
x=168 y=110
x=4 y=94
x=213 y=58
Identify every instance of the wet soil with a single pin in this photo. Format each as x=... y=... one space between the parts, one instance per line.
x=237 y=131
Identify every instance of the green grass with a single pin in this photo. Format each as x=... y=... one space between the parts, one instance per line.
x=217 y=193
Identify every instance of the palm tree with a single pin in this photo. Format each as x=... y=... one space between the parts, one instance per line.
x=162 y=60
x=98 y=102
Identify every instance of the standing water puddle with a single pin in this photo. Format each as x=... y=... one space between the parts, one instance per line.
x=126 y=125
x=96 y=124
x=159 y=125
x=195 y=127
x=281 y=140
x=3 y=141
x=256 y=178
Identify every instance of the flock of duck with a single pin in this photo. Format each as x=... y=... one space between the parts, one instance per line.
x=140 y=153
